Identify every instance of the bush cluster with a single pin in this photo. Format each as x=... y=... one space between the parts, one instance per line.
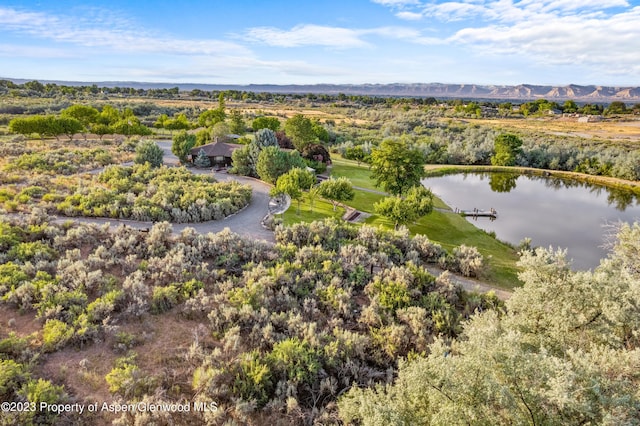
x=144 y=193
x=61 y=161
x=297 y=323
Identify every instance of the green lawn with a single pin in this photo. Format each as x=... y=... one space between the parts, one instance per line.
x=321 y=210
x=360 y=176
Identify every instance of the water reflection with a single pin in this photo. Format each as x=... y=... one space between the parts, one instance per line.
x=549 y=210
x=502 y=182
x=620 y=199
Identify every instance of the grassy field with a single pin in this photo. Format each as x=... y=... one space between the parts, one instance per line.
x=613 y=130
x=321 y=210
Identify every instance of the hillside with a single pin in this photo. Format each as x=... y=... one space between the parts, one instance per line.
x=590 y=93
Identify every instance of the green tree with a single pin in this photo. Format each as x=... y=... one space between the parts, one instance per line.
x=336 y=190
x=273 y=163
x=395 y=167
x=356 y=153
x=86 y=115
x=300 y=130
x=417 y=202
x=148 y=151
x=68 y=126
x=29 y=125
x=237 y=125
x=569 y=106
x=616 y=107
x=109 y=115
x=244 y=160
x=179 y=122
x=161 y=122
x=220 y=131
x=202 y=160
x=506 y=149
x=293 y=183
x=266 y=137
x=211 y=117
x=182 y=144
x=271 y=123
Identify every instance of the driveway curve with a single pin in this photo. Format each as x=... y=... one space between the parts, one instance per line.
x=247 y=222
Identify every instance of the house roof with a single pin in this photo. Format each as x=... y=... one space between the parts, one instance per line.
x=216 y=149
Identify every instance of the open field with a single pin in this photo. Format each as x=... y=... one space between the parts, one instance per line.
x=618 y=131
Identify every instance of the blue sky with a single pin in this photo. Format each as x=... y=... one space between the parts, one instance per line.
x=307 y=42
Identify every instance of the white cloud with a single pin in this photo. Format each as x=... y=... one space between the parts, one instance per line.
x=334 y=37
x=453 y=11
x=603 y=35
x=14 y=50
x=410 y=16
x=106 y=30
x=395 y=3
x=307 y=35
x=606 y=43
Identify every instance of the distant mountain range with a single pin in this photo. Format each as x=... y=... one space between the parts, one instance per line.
x=520 y=92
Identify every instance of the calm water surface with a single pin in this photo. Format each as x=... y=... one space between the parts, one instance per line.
x=550 y=211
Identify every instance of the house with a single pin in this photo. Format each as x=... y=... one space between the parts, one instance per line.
x=219 y=153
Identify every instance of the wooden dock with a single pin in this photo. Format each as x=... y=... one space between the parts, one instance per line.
x=491 y=213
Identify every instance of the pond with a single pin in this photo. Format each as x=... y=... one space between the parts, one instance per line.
x=551 y=211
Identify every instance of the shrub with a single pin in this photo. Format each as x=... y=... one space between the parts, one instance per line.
x=164 y=298
x=148 y=151
x=55 y=335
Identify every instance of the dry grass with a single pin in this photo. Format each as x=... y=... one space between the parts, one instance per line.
x=569 y=126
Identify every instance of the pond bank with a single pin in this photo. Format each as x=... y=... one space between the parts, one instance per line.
x=436 y=170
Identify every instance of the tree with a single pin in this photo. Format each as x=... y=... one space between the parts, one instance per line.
x=179 y=122
x=355 y=153
x=418 y=202
x=211 y=117
x=237 y=125
x=271 y=123
x=320 y=131
x=395 y=167
x=266 y=137
x=506 y=148
x=148 y=151
x=182 y=144
x=336 y=190
x=569 y=106
x=273 y=163
x=86 y=115
x=66 y=126
x=220 y=131
x=318 y=153
x=616 y=107
x=300 y=130
x=202 y=160
x=29 y=125
x=283 y=140
x=245 y=159
x=109 y=115
x=293 y=182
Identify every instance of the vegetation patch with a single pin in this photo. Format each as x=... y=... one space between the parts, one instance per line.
x=144 y=193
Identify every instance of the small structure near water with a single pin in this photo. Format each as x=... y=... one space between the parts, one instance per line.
x=491 y=213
